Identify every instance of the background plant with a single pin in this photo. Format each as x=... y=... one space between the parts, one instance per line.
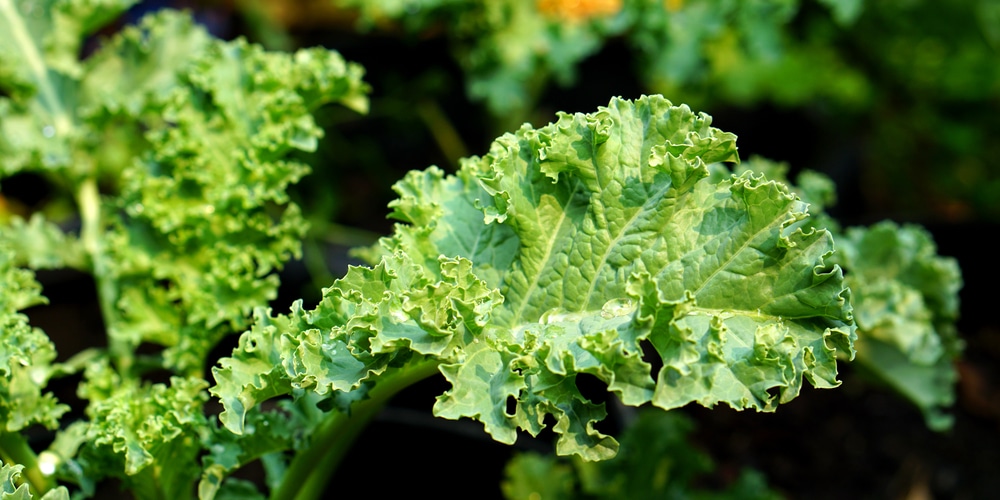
x=918 y=78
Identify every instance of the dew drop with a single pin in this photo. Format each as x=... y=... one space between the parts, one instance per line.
x=38 y=375
x=49 y=131
x=47 y=462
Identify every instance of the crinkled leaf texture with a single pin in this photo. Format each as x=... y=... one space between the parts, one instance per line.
x=26 y=354
x=11 y=490
x=905 y=298
x=149 y=436
x=587 y=246
x=188 y=136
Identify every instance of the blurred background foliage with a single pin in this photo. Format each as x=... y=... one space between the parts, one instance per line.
x=899 y=97
x=898 y=101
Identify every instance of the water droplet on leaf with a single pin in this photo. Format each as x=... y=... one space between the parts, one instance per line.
x=47 y=462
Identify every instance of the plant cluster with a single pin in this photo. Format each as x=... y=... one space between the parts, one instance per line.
x=628 y=245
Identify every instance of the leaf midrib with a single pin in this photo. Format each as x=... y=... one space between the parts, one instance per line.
x=548 y=254
x=37 y=64
x=652 y=200
x=739 y=251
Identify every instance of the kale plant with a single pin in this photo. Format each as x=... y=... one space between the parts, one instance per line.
x=616 y=244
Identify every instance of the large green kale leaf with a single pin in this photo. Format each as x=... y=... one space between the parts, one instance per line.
x=597 y=245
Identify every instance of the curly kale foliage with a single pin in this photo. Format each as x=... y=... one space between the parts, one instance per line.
x=561 y=252
x=174 y=147
x=905 y=298
x=172 y=151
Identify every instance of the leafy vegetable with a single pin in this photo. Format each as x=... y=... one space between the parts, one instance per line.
x=26 y=355
x=172 y=148
x=906 y=304
x=9 y=490
x=614 y=245
x=185 y=241
x=562 y=252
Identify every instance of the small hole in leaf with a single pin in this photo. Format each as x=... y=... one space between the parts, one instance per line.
x=511 y=408
x=596 y=392
x=774 y=393
x=592 y=388
x=652 y=357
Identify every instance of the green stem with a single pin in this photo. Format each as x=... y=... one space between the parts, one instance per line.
x=263 y=28
x=443 y=131
x=92 y=236
x=309 y=471
x=15 y=450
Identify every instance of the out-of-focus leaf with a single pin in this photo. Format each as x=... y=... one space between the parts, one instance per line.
x=905 y=298
x=508 y=48
x=741 y=50
x=205 y=216
x=39 y=244
x=845 y=11
x=905 y=303
x=530 y=475
x=39 y=64
x=188 y=137
x=656 y=461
